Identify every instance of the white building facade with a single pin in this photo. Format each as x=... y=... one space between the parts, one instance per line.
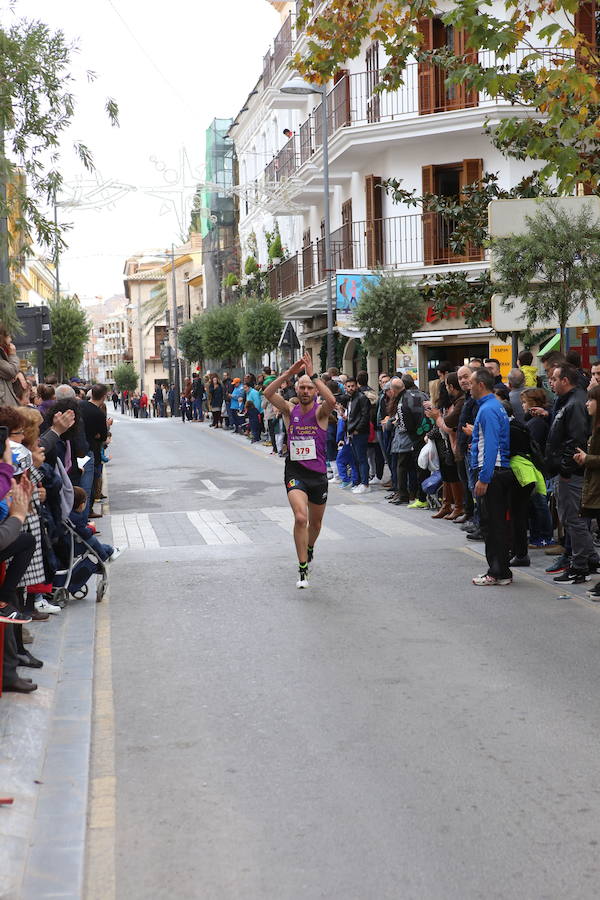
x=428 y=136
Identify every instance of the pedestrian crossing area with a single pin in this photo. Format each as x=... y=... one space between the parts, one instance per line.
x=264 y=526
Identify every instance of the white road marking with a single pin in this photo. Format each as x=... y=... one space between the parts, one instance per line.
x=284 y=517
x=380 y=521
x=215 y=529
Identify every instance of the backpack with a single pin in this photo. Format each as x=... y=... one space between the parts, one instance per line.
x=523 y=444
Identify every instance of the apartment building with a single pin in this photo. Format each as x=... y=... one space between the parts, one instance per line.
x=144 y=277
x=111 y=345
x=427 y=135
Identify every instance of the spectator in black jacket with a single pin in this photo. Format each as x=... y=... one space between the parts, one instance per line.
x=357 y=424
x=93 y=414
x=198 y=397
x=569 y=430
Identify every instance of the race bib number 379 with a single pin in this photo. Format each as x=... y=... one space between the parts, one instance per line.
x=300 y=450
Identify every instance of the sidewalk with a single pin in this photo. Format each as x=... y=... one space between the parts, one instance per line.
x=44 y=762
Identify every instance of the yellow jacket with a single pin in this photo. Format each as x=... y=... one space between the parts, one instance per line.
x=530 y=373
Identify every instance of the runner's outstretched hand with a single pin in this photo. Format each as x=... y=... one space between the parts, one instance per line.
x=308 y=364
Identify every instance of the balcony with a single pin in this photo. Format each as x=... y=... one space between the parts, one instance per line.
x=392 y=243
x=354 y=101
x=282 y=50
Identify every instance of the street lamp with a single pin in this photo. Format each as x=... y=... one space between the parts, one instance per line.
x=296 y=85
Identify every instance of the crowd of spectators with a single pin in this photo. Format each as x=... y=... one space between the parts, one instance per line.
x=53 y=442
x=515 y=465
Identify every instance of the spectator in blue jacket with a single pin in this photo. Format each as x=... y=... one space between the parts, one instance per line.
x=253 y=409
x=236 y=404
x=490 y=448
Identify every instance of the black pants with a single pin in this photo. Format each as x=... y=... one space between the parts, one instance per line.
x=468 y=496
x=405 y=461
x=422 y=474
x=21 y=551
x=379 y=459
x=519 y=517
x=496 y=502
x=272 y=424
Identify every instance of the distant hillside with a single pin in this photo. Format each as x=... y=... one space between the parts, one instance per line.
x=109 y=307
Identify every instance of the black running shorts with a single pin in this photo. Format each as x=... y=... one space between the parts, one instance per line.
x=299 y=478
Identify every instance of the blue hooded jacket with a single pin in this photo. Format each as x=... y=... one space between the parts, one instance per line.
x=490 y=446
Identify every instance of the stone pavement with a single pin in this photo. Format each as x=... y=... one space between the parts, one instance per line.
x=44 y=762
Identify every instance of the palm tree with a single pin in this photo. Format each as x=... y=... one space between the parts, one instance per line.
x=155 y=308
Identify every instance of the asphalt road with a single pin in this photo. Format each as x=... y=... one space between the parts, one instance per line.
x=394 y=732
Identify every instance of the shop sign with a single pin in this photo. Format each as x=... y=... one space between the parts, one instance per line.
x=503 y=353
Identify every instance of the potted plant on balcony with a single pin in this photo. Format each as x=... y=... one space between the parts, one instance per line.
x=275 y=249
x=231 y=281
x=250 y=267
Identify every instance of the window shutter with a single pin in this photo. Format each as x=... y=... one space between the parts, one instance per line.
x=468 y=97
x=429 y=218
x=472 y=171
x=374 y=224
x=585 y=21
x=426 y=73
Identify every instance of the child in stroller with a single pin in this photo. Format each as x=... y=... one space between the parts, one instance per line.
x=78 y=520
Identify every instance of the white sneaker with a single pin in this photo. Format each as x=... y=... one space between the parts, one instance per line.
x=336 y=479
x=360 y=489
x=375 y=480
x=303 y=579
x=45 y=607
x=117 y=551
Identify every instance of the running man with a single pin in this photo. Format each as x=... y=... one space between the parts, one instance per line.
x=305 y=466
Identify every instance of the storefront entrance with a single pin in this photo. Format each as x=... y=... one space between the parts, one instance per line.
x=456 y=354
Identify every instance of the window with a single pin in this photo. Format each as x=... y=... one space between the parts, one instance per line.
x=434 y=94
x=161 y=333
x=447 y=181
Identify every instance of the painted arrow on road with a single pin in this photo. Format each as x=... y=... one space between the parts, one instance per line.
x=216 y=493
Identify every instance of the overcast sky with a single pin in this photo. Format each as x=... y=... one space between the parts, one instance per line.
x=210 y=56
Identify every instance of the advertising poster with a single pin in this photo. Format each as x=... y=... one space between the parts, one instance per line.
x=349 y=286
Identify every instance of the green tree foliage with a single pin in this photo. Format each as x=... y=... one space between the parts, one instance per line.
x=125 y=377
x=556 y=90
x=70 y=332
x=388 y=311
x=220 y=333
x=554 y=267
x=189 y=337
x=36 y=106
x=260 y=326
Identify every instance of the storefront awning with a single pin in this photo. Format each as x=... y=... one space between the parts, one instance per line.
x=420 y=336
x=552 y=344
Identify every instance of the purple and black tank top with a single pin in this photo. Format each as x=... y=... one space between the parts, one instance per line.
x=307 y=441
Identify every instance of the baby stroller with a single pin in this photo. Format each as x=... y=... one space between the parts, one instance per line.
x=83 y=563
x=433 y=484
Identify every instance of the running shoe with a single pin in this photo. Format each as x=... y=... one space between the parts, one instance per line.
x=117 y=551
x=571 y=576
x=490 y=581
x=302 y=576
x=537 y=544
x=594 y=593
x=347 y=484
x=43 y=606
x=418 y=504
x=11 y=614
x=561 y=564
x=360 y=489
